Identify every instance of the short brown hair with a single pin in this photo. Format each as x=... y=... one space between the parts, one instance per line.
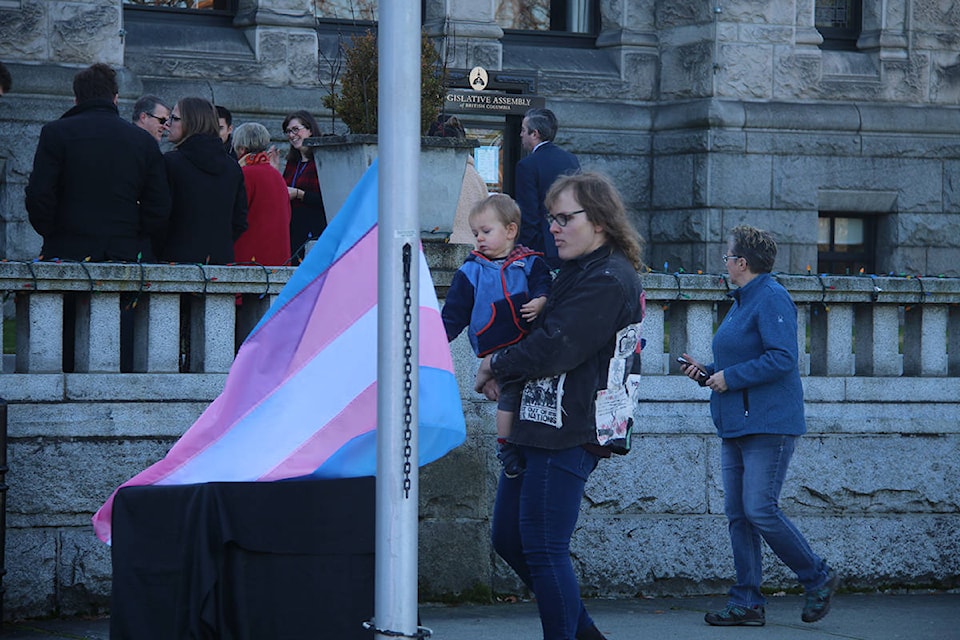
x=502 y=205
x=756 y=246
x=197 y=117
x=96 y=82
x=603 y=206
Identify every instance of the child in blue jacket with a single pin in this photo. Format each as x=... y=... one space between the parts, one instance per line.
x=496 y=294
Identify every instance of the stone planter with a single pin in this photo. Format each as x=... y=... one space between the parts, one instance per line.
x=341 y=160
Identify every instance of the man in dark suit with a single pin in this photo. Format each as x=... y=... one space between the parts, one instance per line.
x=544 y=163
x=98 y=189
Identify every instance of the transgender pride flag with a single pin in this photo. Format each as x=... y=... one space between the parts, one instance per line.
x=301 y=396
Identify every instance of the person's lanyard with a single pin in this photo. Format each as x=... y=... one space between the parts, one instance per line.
x=296 y=174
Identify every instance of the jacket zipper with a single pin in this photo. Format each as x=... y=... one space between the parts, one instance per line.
x=746 y=404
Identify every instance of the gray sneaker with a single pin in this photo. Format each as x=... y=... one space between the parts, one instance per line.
x=733 y=615
x=818 y=600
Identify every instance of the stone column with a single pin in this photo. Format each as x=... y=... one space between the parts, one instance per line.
x=283 y=35
x=628 y=30
x=885 y=29
x=98 y=333
x=157 y=334
x=218 y=318
x=807 y=38
x=689 y=39
x=40 y=333
x=924 y=340
x=877 y=340
x=471 y=35
x=831 y=340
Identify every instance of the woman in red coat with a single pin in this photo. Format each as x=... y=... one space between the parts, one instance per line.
x=267 y=238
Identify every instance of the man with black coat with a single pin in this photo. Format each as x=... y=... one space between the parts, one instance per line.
x=98 y=190
x=535 y=174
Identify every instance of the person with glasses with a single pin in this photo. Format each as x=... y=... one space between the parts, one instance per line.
x=757 y=407
x=535 y=173
x=209 y=198
x=308 y=217
x=575 y=366
x=151 y=115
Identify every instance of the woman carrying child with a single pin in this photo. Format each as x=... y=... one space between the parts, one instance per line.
x=574 y=365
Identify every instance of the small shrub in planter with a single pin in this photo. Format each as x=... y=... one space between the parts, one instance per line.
x=356 y=104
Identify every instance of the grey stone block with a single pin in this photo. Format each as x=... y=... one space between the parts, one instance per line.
x=874 y=475
x=31 y=566
x=17 y=387
x=84 y=387
x=458 y=486
x=103 y=419
x=741 y=181
x=455 y=556
x=69 y=478
x=661 y=474
x=84 y=571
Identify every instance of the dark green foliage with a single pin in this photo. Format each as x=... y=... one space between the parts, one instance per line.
x=356 y=103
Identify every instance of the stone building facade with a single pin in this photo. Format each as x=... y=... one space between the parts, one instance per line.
x=706 y=115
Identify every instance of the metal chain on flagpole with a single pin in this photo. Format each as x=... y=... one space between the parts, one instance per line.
x=407 y=370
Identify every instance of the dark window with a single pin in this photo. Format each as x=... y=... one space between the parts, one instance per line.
x=216 y=6
x=548 y=16
x=845 y=243
x=839 y=22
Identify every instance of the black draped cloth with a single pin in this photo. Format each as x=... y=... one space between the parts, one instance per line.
x=244 y=561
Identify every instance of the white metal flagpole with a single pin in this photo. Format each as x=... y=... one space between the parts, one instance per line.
x=395 y=604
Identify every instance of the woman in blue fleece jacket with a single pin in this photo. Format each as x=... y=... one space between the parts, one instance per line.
x=757 y=407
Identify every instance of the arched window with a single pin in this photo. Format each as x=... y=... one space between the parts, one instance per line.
x=839 y=22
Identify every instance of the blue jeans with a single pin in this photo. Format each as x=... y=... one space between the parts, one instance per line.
x=533 y=520
x=753 y=471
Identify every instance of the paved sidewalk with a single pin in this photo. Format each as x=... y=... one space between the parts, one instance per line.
x=853 y=617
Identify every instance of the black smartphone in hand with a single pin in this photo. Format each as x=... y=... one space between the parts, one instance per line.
x=701 y=374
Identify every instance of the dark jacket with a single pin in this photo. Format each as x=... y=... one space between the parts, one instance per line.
x=209 y=202
x=535 y=174
x=98 y=188
x=486 y=295
x=308 y=217
x=567 y=356
x=756 y=346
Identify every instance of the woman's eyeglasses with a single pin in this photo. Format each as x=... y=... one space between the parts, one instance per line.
x=294 y=130
x=162 y=121
x=562 y=218
x=174 y=118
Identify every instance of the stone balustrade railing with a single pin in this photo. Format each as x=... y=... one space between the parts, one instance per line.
x=219 y=306
x=878 y=467
x=849 y=325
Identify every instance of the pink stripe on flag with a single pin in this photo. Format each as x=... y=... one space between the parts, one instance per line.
x=434 y=349
x=350 y=291
x=357 y=418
